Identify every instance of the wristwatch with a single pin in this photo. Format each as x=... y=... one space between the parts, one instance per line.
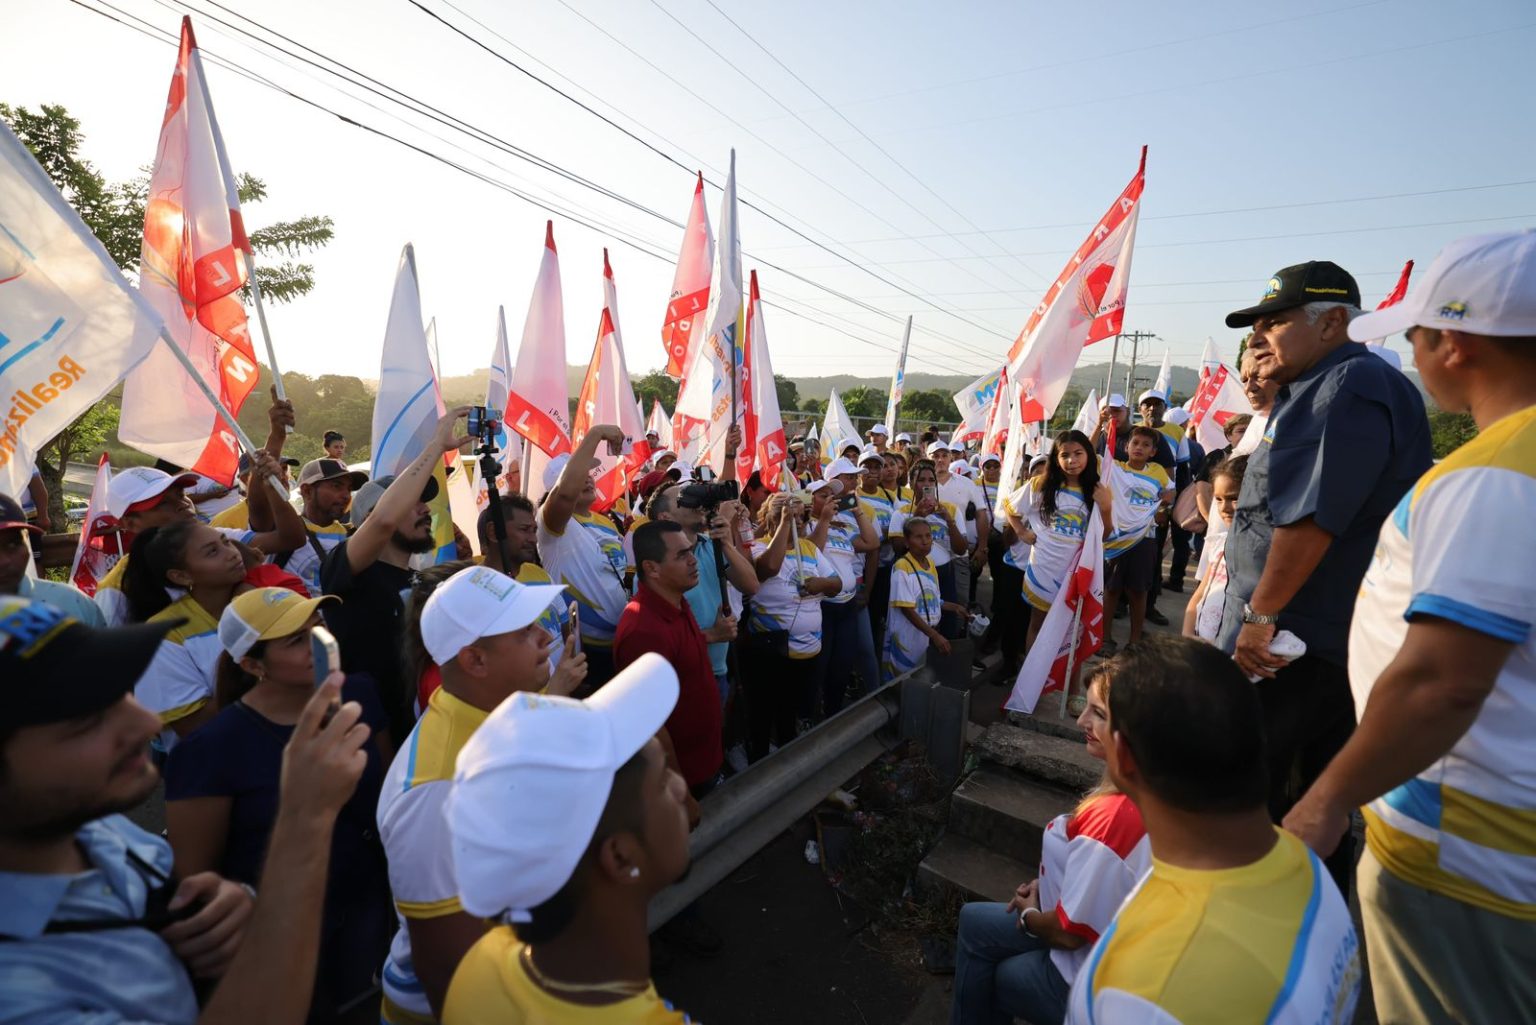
x=1250 y=616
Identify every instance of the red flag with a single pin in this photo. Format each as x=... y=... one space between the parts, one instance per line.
x=1219 y=398
x=100 y=543
x=537 y=397
x=1085 y=304
x=1402 y=287
x=1081 y=598
x=690 y=286
x=192 y=270
x=997 y=421
x=608 y=398
x=762 y=426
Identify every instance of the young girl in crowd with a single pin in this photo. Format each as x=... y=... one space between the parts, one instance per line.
x=783 y=622
x=1203 y=616
x=1018 y=960
x=1050 y=514
x=949 y=541
x=222 y=783
x=208 y=569
x=915 y=604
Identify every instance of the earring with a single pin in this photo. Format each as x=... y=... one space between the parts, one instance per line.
x=634 y=872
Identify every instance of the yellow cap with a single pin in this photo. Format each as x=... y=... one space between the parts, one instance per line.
x=263 y=613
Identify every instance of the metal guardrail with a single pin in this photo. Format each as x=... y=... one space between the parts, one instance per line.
x=745 y=813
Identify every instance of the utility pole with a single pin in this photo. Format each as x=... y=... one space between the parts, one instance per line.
x=1136 y=338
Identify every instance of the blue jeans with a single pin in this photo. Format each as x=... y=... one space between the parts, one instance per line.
x=847 y=646
x=1002 y=973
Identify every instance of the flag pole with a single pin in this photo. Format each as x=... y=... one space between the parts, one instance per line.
x=266 y=335
x=1109 y=376
x=218 y=407
x=1066 y=685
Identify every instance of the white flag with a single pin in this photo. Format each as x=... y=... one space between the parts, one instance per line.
x=1080 y=600
x=71 y=326
x=538 y=403
x=1088 y=416
x=405 y=410
x=100 y=543
x=1084 y=305
x=1164 y=381
x=1220 y=398
x=705 y=403
x=660 y=423
x=978 y=394
x=193 y=265
x=898 y=383
x=836 y=428
x=1013 y=454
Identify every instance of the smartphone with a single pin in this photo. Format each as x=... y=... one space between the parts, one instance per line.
x=929 y=491
x=622 y=447
x=327 y=659
x=575 y=630
x=847 y=502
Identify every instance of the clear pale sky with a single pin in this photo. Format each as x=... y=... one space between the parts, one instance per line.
x=959 y=151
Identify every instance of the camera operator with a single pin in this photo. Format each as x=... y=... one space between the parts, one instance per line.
x=707 y=512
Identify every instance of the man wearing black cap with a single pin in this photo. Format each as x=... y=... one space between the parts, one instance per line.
x=327 y=486
x=1347 y=437
x=371 y=569
x=94 y=923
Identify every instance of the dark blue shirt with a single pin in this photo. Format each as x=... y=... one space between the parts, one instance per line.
x=1345 y=441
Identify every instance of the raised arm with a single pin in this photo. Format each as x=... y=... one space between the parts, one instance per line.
x=277 y=525
x=402 y=497
x=560 y=504
x=771 y=561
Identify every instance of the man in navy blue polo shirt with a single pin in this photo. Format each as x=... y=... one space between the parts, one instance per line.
x=1347 y=437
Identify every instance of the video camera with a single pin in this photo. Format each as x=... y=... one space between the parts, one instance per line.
x=706 y=492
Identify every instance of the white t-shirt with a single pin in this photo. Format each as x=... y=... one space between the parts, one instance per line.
x=961 y=492
x=1458 y=548
x=778 y=604
x=917 y=588
x=1208 y=615
x=1253 y=435
x=588 y=558
x=942 y=543
x=841 y=534
x=1136 y=496
x=879 y=507
x=1056 y=540
x=180 y=678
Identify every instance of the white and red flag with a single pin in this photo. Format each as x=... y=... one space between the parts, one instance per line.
x=100 y=543
x=706 y=405
x=898 y=383
x=1085 y=304
x=1399 y=291
x=997 y=420
x=690 y=286
x=607 y=397
x=538 y=400
x=71 y=324
x=1219 y=398
x=1073 y=628
x=660 y=423
x=762 y=426
x=193 y=267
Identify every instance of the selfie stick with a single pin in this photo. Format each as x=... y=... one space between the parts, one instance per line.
x=490 y=471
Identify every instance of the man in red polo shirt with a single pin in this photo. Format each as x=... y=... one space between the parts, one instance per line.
x=659 y=619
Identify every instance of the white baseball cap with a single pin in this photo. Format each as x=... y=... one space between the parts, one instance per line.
x=903 y=436
x=479 y=602
x=1481 y=284
x=1178 y=416
x=532 y=782
x=1151 y=393
x=1116 y=401
x=553 y=469
x=878 y=429
x=957 y=446
x=659 y=456
x=934 y=448
x=991 y=457
x=816 y=485
x=869 y=452
x=961 y=467
x=838 y=467
x=853 y=443
x=135 y=484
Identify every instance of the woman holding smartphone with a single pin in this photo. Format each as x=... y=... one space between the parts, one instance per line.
x=222 y=782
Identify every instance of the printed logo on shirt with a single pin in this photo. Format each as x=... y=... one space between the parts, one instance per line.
x=1143 y=496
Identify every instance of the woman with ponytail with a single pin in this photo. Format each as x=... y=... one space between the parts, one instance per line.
x=186 y=573
x=222 y=783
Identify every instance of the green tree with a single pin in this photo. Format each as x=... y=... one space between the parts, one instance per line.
x=653 y=386
x=815 y=407
x=1242 y=347
x=788 y=392
x=1450 y=431
x=864 y=402
x=929 y=406
x=115 y=214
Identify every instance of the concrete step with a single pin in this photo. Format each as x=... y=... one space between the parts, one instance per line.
x=1041 y=756
x=1045 y=720
x=973 y=870
x=1005 y=812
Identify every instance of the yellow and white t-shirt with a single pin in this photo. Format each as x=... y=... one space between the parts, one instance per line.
x=234 y=517
x=415 y=838
x=491 y=987
x=1178 y=440
x=1268 y=942
x=942 y=542
x=779 y=605
x=880 y=506
x=588 y=558
x=1057 y=537
x=109 y=592
x=1137 y=494
x=914 y=586
x=1458 y=548
x=180 y=679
